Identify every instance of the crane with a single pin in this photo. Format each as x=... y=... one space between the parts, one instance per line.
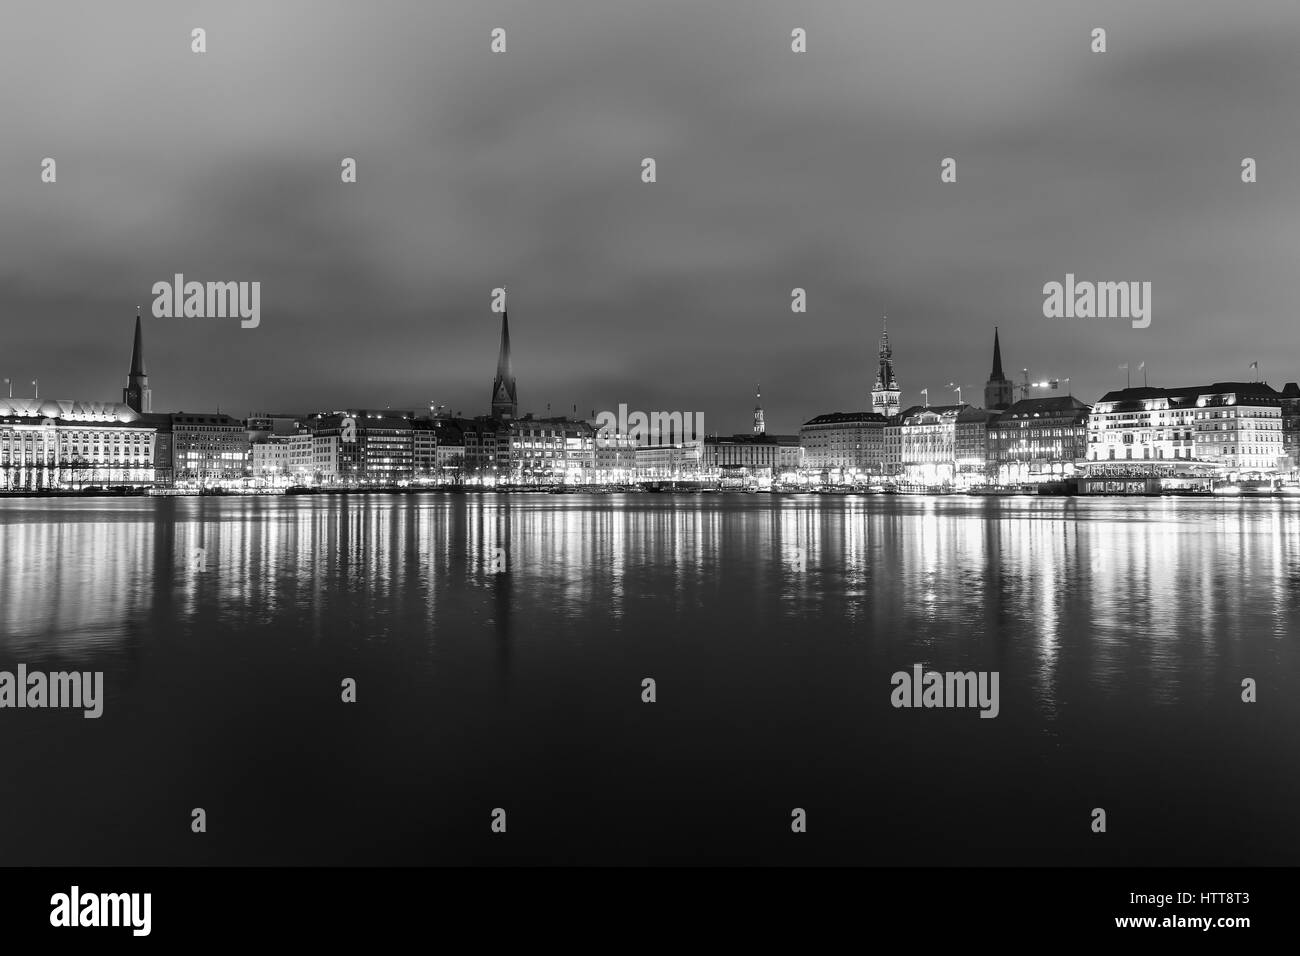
x=1023 y=387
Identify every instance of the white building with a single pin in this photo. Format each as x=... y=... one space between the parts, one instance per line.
x=51 y=444
x=1234 y=425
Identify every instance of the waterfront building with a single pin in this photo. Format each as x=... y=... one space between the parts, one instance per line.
x=487 y=448
x=1291 y=426
x=929 y=444
x=615 y=457
x=893 y=433
x=552 y=451
x=209 y=450
x=1236 y=426
x=284 y=460
x=844 y=443
x=676 y=460
x=1038 y=439
x=885 y=395
x=751 y=456
x=970 y=446
x=424 y=450
x=62 y=444
x=363 y=447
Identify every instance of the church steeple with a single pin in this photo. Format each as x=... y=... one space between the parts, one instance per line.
x=137 y=394
x=760 y=425
x=885 y=395
x=998 y=390
x=505 y=402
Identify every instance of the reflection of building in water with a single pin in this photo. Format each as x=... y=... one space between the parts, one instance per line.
x=1234 y=425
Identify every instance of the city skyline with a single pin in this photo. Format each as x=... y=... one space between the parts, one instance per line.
x=477 y=171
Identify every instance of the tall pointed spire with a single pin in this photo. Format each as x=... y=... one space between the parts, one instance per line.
x=137 y=394
x=137 y=349
x=505 y=402
x=998 y=390
x=760 y=425
x=885 y=394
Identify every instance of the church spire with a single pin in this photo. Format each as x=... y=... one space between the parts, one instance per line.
x=998 y=390
x=885 y=394
x=760 y=425
x=505 y=403
x=137 y=394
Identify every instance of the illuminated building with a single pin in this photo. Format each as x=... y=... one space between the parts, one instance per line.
x=848 y=442
x=363 y=447
x=552 y=451
x=209 y=450
x=1234 y=425
x=929 y=444
x=1038 y=439
x=59 y=444
x=885 y=394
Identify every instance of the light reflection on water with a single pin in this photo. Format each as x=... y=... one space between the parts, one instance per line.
x=1099 y=614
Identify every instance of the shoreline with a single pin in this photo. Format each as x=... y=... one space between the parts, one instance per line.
x=658 y=488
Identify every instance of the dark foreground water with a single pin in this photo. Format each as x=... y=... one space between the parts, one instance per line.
x=1121 y=630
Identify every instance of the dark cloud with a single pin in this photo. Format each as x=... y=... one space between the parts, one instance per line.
x=775 y=171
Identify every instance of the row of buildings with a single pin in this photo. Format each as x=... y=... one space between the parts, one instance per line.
x=1222 y=430
x=1228 y=430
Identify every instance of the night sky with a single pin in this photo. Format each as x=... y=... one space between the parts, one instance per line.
x=775 y=170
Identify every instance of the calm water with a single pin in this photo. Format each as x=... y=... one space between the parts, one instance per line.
x=1121 y=630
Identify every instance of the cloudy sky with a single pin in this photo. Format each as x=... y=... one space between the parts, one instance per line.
x=775 y=170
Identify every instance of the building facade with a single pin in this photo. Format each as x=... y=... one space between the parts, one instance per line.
x=60 y=444
x=552 y=451
x=358 y=447
x=929 y=445
x=744 y=456
x=970 y=447
x=1291 y=426
x=209 y=450
x=1038 y=439
x=1236 y=426
x=845 y=442
x=680 y=460
x=284 y=460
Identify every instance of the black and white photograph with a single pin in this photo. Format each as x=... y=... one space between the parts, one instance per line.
x=834 y=442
